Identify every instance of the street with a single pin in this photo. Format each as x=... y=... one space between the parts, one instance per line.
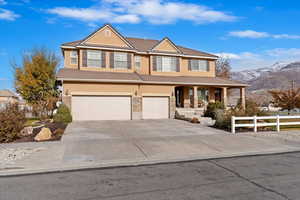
x=257 y=177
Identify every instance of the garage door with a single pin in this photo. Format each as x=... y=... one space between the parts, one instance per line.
x=86 y=108
x=155 y=107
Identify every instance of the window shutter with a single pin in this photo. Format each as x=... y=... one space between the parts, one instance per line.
x=177 y=64
x=207 y=66
x=190 y=65
x=111 y=60
x=103 y=59
x=84 y=58
x=129 y=63
x=154 y=63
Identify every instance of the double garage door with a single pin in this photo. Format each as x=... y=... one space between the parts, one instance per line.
x=91 y=108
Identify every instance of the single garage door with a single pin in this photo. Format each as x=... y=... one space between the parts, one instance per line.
x=86 y=108
x=155 y=107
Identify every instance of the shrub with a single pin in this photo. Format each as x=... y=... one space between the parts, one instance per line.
x=63 y=114
x=212 y=109
x=12 y=121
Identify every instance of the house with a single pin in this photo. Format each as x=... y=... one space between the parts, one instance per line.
x=107 y=76
x=7 y=96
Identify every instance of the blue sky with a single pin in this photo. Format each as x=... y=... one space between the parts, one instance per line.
x=252 y=33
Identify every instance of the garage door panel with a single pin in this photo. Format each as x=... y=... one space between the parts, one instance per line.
x=155 y=107
x=86 y=108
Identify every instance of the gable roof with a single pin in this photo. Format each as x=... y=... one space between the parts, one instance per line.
x=164 y=40
x=112 y=28
x=7 y=93
x=68 y=74
x=140 y=45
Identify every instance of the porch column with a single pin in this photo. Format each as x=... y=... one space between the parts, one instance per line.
x=224 y=97
x=212 y=97
x=186 y=98
x=243 y=97
x=195 y=93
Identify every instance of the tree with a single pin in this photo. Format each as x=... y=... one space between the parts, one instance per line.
x=223 y=68
x=35 y=80
x=286 y=99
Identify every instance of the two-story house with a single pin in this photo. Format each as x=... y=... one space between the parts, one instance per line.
x=107 y=76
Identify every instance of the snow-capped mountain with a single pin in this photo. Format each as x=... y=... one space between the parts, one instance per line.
x=249 y=75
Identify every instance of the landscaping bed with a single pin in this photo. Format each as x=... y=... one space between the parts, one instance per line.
x=57 y=129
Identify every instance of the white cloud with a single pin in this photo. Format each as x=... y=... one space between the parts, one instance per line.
x=7 y=15
x=153 y=11
x=254 y=35
x=3 y=2
x=266 y=58
x=248 y=34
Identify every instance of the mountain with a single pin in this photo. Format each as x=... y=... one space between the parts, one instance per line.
x=277 y=76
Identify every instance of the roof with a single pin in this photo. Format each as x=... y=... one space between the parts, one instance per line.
x=143 y=45
x=7 y=93
x=120 y=77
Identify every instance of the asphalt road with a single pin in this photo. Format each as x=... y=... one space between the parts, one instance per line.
x=260 y=177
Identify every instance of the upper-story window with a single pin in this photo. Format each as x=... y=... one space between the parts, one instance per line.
x=166 y=64
x=199 y=65
x=74 y=57
x=120 y=60
x=94 y=58
x=137 y=62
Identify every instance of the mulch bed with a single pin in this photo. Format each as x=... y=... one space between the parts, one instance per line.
x=56 y=128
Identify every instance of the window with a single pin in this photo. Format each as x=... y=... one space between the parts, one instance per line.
x=74 y=57
x=137 y=62
x=93 y=58
x=120 y=61
x=166 y=64
x=203 y=94
x=199 y=65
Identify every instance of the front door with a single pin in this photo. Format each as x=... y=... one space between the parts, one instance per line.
x=179 y=97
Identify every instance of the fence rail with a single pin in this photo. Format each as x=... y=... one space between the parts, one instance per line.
x=255 y=124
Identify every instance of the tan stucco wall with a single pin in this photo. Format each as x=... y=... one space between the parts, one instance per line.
x=101 y=38
x=165 y=46
x=156 y=90
x=8 y=99
x=145 y=68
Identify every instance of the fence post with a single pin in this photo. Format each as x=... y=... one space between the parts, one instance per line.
x=278 y=123
x=233 y=124
x=255 y=123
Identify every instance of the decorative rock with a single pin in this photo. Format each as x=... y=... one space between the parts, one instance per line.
x=26 y=131
x=44 y=134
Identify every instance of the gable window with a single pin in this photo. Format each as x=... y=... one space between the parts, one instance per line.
x=137 y=62
x=166 y=64
x=199 y=65
x=93 y=58
x=74 y=57
x=120 y=60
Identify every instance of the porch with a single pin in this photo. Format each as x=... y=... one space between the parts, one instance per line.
x=198 y=97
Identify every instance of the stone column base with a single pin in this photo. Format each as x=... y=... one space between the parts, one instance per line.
x=137 y=107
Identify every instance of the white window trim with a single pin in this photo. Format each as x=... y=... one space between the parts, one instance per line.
x=120 y=56
x=164 y=66
x=94 y=59
x=198 y=61
x=72 y=57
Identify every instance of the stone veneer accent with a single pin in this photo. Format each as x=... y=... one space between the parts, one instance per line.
x=67 y=101
x=137 y=107
x=172 y=107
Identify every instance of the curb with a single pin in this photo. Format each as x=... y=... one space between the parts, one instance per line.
x=143 y=162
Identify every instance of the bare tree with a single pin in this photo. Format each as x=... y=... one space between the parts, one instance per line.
x=223 y=68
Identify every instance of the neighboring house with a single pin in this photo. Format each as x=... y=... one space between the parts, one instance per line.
x=107 y=76
x=7 y=96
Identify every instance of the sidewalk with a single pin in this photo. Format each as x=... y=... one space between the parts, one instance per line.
x=64 y=156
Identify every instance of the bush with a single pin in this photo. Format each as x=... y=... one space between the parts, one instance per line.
x=12 y=121
x=212 y=109
x=63 y=114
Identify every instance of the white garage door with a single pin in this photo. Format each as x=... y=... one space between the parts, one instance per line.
x=155 y=107
x=86 y=108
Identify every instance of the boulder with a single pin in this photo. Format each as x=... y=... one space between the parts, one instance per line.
x=26 y=131
x=44 y=134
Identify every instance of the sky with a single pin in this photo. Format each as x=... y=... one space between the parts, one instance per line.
x=251 y=33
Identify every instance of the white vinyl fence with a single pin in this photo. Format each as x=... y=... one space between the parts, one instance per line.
x=256 y=124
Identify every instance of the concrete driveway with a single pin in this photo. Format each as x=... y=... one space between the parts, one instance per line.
x=109 y=142
x=93 y=130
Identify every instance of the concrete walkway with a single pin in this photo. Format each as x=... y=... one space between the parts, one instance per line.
x=125 y=143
